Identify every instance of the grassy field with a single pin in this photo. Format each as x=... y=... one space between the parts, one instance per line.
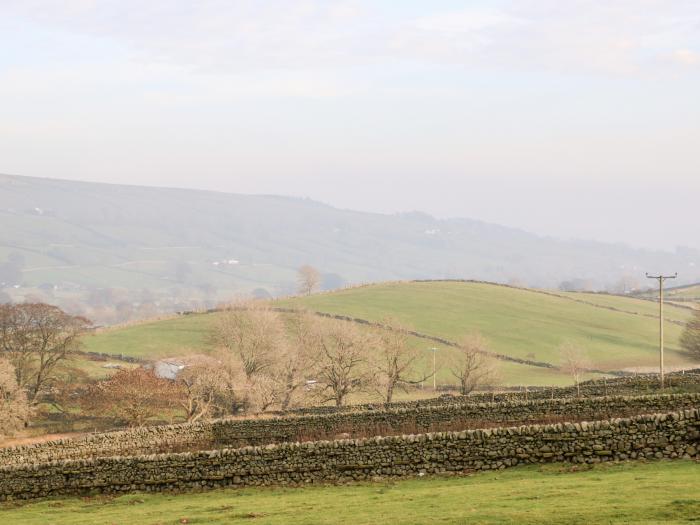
x=632 y=304
x=685 y=293
x=182 y=335
x=520 y=323
x=190 y=335
x=663 y=492
x=690 y=293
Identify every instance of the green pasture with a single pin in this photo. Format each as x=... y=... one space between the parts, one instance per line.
x=644 y=493
x=632 y=304
x=176 y=336
x=186 y=335
x=521 y=323
x=517 y=322
x=681 y=292
x=692 y=292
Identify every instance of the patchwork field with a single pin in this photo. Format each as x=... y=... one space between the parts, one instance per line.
x=605 y=493
x=189 y=334
x=616 y=332
x=519 y=322
x=646 y=307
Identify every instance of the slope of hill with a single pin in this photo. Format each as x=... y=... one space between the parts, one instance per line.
x=170 y=249
x=190 y=334
x=688 y=294
x=675 y=313
x=525 y=324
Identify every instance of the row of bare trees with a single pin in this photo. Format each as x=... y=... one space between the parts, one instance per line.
x=302 y=358
x=267 y=360
x=263 y=360
x=36 y=340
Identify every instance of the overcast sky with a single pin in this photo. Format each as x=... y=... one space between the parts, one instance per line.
x=572 y=118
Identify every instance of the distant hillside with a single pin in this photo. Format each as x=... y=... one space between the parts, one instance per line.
x=685 y=294
x=161 y=249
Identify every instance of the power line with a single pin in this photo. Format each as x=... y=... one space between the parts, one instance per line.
x=661 y=279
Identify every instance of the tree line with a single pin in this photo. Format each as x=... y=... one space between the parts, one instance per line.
x=261 y=360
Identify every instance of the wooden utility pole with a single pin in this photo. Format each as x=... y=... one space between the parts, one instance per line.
x=434 y=369
x=661 y=279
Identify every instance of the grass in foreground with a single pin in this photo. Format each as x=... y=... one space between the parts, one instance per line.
x=659 y=492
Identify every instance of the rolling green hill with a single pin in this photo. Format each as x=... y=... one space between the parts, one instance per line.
x=189 y=334
x=522 y=323
x=616 y=332
x=646 y=307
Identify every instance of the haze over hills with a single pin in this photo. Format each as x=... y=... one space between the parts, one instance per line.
x=78 y=242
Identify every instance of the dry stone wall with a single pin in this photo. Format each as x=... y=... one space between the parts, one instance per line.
x=443 y=417
x=243 y=432
x=688 y=381
x=672 y=435
x=146 y=440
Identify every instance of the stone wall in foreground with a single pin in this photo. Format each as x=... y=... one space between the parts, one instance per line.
x=672 y=435
x=236 y=433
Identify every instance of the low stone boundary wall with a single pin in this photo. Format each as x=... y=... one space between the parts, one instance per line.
x=143 y=440
x=234 y=433
x=441 y=418
x=672 y=435
x=620 y=386
x=102 y=356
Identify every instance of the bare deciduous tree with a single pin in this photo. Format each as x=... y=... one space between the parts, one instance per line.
x=229 y=378
x=14 y=408
x=133 y=396
x=252 y=332
x=471 y=365
x=274 y=351
x=341 y=361
x=309 y=279
x=574 y=362
x=263 y=393
x=36 y=338
x=394 y=359
x=201 y=385
x=66 y=390
x=295 y=363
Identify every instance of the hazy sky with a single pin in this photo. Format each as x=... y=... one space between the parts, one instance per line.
x=573 y=118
